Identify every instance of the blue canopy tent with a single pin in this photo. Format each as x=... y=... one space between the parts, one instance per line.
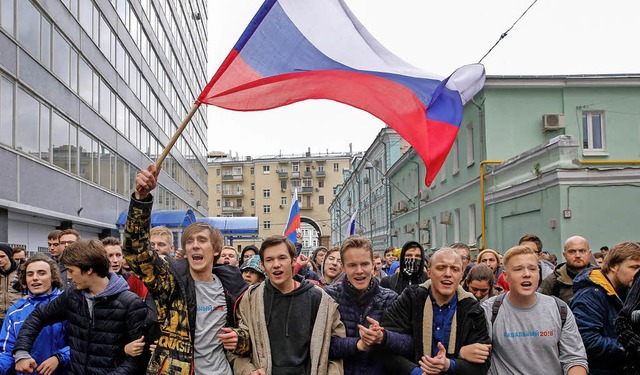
x=234 y=227
x=176 y=220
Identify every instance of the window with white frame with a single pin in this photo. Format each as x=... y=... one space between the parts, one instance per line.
x=266 y=193
x=444 y=234
x=295 y=167
x=472 y=224
x=455 y=160
x=266 y=169
x=434 y=229
x=593 y=131
x=283 y=200
x=266 y=208
x=469 y=131
x=266 y=224
x=456 y=225
x=218 y=203
x=336 y=167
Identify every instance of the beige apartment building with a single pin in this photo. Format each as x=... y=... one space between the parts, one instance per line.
x=263 y=187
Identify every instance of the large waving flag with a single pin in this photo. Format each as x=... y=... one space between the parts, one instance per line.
x=295 y=50
x=293 y=224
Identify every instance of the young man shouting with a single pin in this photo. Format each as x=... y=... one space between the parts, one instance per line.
x=530 y=334
x=285 y=326
x=195 y=297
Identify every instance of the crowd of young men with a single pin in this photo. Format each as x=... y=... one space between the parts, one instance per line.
x=205 y=309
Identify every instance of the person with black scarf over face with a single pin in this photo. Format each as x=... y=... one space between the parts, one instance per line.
x=8 y=269
x=411 y=269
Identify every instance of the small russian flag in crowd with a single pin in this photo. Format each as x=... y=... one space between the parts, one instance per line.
x=293 y=224
x=295 y=50
x=352 y=223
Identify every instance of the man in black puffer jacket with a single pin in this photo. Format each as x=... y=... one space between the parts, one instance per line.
x=361 y=302
x=102 y=317
x=446 y=322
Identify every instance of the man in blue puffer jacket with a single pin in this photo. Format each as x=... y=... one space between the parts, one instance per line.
x=50 y=350
x=598 y=297
x=361 y=302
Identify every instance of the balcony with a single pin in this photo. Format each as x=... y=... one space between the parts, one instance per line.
x=232 y=194
x=308 y=206
x=308 y=173
x=295 y=174
x=232 y=209
x=320 y=173
x=307 y=190
x=232 y=177
x=283 y=175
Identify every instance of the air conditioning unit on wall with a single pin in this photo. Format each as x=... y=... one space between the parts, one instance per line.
x=553 y=121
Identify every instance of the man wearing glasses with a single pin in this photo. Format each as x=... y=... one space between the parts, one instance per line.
x=560 y=283
x=67 y=237
x=465 y=253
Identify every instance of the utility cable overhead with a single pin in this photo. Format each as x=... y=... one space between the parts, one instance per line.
x=506 y=32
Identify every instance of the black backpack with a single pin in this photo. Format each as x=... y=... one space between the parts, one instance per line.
x=562 y=308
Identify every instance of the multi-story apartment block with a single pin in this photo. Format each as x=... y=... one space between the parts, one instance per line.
x=91 y=92
x=555 y=156
x=263 y=187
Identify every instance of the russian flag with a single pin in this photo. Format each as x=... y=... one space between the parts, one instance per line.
x=293 y=223
x=352 y=223
x=295 y=50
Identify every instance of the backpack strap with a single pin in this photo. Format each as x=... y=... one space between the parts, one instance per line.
x=562 y=308
x=496 y=306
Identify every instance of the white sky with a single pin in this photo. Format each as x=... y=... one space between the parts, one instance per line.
x=554 y=37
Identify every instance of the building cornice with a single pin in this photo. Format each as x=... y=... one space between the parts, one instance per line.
x=566 y=177
x=600 y=80
x=26 y=209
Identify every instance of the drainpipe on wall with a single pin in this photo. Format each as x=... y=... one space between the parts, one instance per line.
x=482 y=211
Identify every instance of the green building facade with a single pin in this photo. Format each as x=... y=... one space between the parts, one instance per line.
x=559 y=156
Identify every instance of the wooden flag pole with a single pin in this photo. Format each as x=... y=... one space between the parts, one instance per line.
x=175 y=137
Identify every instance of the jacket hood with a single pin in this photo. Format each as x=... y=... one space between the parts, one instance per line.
x=8 y=251
x=231 y=279
x=37 y=300
x=593 y=277
x=322 y=278
x=315 y=252
x=405 y=247
x=117 y=284
x=247 y=248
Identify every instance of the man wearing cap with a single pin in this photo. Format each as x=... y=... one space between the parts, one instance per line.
x=252 y=273
x=8 y=269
